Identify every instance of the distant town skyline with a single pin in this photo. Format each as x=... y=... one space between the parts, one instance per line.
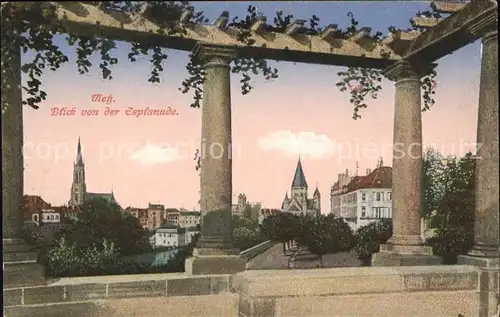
x=149 y=158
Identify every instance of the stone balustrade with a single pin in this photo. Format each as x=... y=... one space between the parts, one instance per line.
x=417 y=291
x=430 y=291
x=252 y=252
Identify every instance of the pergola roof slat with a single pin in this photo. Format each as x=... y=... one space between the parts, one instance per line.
x=363 y=32
x=424 y=22
x=328 y=33
x=454 y=32
x=90 y=20
x=187 y=13
x=447 y=7
x=221 y=21
x=293 y=28
x=258 y=26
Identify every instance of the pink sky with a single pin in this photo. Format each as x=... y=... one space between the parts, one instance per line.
x=301 y=112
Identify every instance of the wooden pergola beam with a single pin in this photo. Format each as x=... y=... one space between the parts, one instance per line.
x=447 y=7
x=259 y=26
x=293 y=28
x=454 y=32
x=89 y=20
x=328 y=33
x=221 y=21
x=363 y=32
x=424 y=22
x=187 y=13
x=401 y=37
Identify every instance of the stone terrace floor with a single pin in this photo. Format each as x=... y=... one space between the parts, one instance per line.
x=274 y=258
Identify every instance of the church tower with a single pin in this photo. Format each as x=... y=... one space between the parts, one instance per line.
x=78 y=187
x=317 y=201
x=299 y=184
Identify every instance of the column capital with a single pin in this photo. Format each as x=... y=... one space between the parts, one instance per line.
x=405 y=70
x=485 y=24
x=213 y=55
x=490 y=36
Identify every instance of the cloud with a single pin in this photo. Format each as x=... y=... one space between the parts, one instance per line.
x=306 y=144
x=152 y=154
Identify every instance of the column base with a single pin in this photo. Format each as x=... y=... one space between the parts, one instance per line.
x=485 y=251
x=405 y=255
x=490 y=281
x=19 y=265
x=215 y=261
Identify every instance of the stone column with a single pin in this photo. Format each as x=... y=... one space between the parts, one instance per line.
x=486 y=229
x=214 y=253
x=485 y=253
x=20 y=266
x=405 y=246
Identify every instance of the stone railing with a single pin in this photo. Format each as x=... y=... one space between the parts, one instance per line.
x=418 y=291
x=167 y=294
x=249 y=254
x=430 y=291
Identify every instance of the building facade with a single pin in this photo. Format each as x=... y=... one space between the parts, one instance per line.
x=79 y=192
x=360 y=200
x=169 y=236
x=298 y=202
x=189 y=219
x=241 y=205
x=266 y=212
x=38 y=211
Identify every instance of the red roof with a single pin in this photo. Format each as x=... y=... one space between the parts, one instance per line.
x=380 y=178
x=35 y=204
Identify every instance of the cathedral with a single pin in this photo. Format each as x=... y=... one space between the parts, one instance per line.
x=79 y=192
x=299 y=203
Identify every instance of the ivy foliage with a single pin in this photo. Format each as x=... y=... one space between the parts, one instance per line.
x=33 y=25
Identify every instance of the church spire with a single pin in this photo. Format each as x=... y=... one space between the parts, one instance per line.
x=299 y=180
x=79 y=157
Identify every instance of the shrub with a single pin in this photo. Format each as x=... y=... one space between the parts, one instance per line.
x=450 y=242
x=371 y=236
x=64 y=259
x=327 y=234
x=245 y=238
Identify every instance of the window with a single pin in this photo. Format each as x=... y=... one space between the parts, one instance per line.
x=389 y=196
x=35 y=218
x=378 y=212
x=363 y=197
x=382 y=196
x=378 y=196
x=363 y=212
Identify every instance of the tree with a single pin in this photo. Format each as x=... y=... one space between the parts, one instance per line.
x=328 y=235
x=281 y=227
x=101 y=220
x=433 y=181
x=305 y=223
x=246 y=233
x=370 y=237
x=455 y=211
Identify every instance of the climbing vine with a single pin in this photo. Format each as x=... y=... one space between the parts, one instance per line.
x=33 y=25
x=362 y=82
